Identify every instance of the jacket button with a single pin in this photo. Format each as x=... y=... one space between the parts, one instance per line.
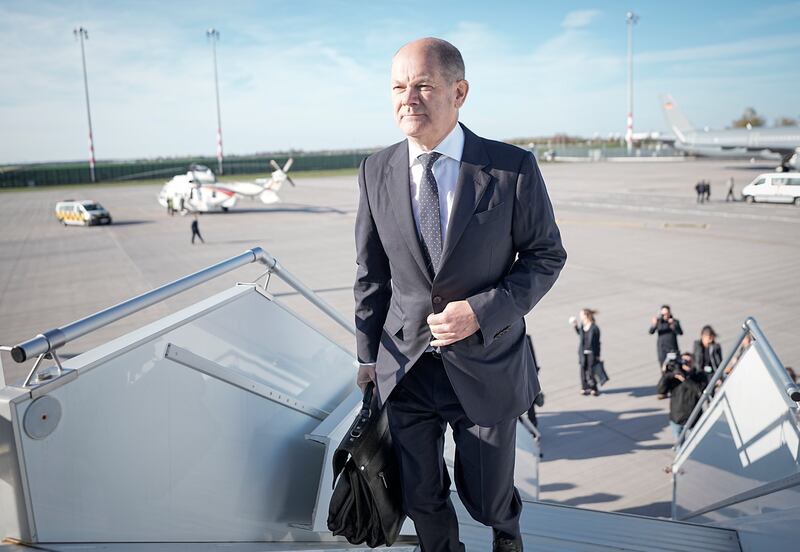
x=437 y=300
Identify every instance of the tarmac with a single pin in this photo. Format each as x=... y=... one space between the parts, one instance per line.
x=635 y=236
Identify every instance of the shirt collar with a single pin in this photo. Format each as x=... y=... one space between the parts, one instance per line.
x=452 y=146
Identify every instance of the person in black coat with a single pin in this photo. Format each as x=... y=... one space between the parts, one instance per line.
x=588 y=349
x=668 y=329
x=685 y=386
x=707 y=352
x=196 y=231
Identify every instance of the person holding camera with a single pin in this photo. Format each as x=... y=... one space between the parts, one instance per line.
x=707 y=352
x=668 y=329
x=684 y=385
x=588 y=349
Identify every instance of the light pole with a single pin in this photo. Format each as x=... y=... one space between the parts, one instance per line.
x=631 y=19
x=213 y=35
x=83 y=34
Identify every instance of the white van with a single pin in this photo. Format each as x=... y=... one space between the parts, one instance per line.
x=83 y=212
x=774 y=187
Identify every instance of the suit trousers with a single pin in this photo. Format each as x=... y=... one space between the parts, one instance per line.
x=419 y=408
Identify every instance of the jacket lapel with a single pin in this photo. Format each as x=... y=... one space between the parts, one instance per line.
x=471 y=185
x=398 y=187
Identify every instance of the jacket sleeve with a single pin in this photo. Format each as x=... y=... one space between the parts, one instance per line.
x=540 y=257
x=697 y=353
x=596 y=342
x=372 y=289
x=653 y=327
x=666 y=383
x=678 y=329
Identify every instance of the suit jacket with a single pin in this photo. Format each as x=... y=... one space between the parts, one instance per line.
x=502 y=253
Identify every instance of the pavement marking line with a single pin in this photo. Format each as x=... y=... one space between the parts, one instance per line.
x=603 y=223
x=687 y=225
x=670 y=210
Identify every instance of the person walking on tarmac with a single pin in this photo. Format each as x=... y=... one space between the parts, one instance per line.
x=588 y=349
x=730 y=196
x=196 y=230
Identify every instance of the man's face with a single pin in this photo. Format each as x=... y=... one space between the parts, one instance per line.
x=425 y=101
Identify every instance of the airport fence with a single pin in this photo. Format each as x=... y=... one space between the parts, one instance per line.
x=54 y=174
x=51 y=174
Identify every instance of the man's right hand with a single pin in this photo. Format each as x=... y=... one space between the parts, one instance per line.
x=366 y=374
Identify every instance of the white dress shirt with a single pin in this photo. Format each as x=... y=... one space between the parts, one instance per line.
x=445 y=171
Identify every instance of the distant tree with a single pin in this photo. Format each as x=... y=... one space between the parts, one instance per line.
x=785 y=121
x=749 y=117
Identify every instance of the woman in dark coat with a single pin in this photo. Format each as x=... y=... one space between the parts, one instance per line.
x=707 y=352
x=588 y=349
x=668 y=329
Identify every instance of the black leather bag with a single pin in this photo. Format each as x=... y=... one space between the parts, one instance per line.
x=367 y=504
x=599 y=371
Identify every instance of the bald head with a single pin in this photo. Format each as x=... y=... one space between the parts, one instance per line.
x=446 y=56
x=428 y=88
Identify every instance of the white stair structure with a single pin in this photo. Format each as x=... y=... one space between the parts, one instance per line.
x=212 y=429
x=740 y=465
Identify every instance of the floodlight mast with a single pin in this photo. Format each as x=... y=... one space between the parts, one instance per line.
x=213 y=36
x=631 y=19
x=83 y=34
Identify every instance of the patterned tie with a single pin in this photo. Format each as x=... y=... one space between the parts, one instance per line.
x=429 y=218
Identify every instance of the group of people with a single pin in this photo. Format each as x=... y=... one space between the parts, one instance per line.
x=685 y=375
x=703 y=191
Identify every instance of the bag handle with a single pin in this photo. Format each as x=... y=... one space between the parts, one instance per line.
x=367 y=401
x=342 y=453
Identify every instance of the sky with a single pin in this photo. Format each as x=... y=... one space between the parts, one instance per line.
x=314 y=74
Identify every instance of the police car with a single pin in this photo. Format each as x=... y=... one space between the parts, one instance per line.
x=83 y=212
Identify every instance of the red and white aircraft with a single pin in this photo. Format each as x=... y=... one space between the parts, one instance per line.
x=199 y=191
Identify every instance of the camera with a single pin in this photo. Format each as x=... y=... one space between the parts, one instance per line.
x=673 y=362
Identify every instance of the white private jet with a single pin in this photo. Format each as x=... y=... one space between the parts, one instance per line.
x=199 y=191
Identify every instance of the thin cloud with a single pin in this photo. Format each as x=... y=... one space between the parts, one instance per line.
x=579 y=19
x=725 y=50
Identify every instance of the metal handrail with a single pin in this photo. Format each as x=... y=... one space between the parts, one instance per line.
x=752 y=328
x=51 y=340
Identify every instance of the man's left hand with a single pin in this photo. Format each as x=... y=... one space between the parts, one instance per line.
x=454 y=323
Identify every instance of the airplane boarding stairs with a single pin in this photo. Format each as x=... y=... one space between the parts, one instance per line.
x=213 y=429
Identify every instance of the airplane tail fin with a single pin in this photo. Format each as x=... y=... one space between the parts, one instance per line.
x=676 y=120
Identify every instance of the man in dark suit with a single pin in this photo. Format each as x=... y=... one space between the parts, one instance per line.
x=456 y=241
